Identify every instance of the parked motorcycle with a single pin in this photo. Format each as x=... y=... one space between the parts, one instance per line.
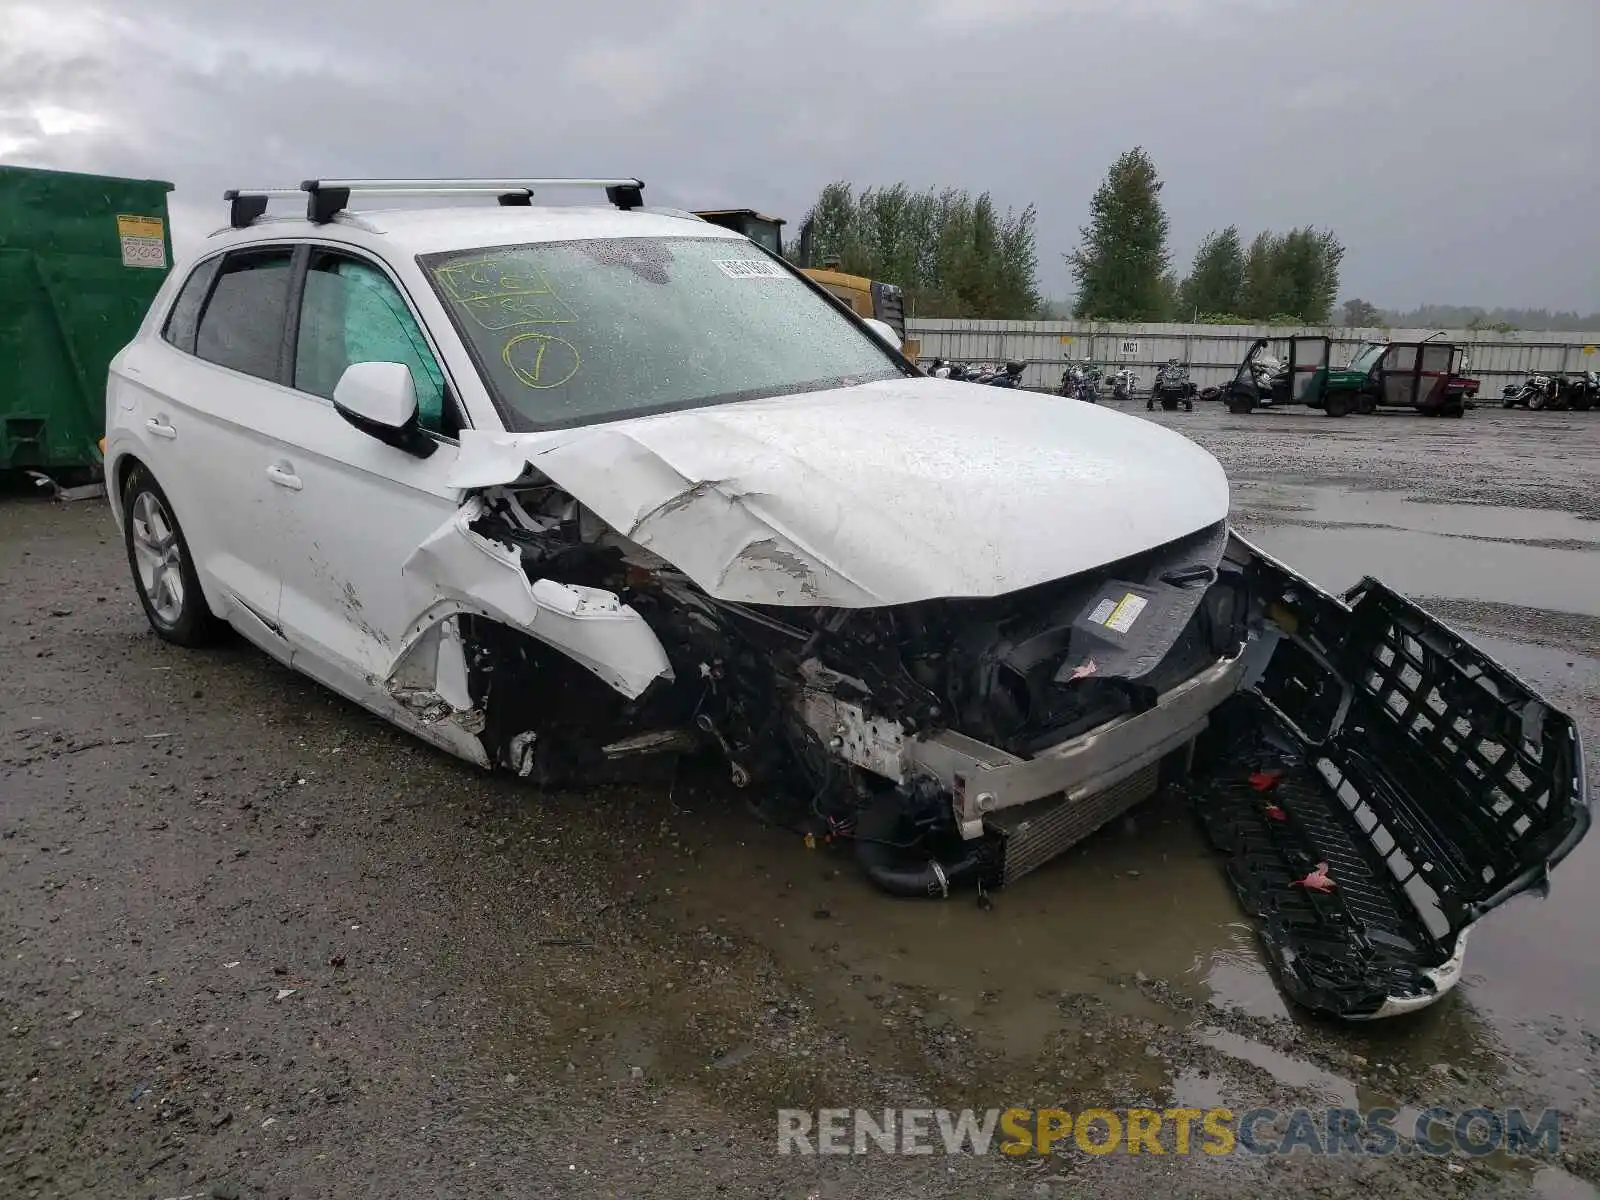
x=1580 y=393
x=1173 y=388
x=1536 y=392
x=1123 y=384
x=1081 y=381
x=1010 y=376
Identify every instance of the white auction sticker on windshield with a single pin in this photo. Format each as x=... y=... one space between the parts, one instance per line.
x=750 y=268
x=1126 y=613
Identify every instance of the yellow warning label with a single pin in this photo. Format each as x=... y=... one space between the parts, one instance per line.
x=1126 y=613
x=1588 y=349
x=140 y=227
x=1066 y=338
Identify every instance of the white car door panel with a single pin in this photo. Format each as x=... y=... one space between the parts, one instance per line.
x=351 y=512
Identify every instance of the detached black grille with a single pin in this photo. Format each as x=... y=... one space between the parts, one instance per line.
x=1433 y=783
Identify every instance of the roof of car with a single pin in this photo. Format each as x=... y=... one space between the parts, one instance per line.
x=461 y=227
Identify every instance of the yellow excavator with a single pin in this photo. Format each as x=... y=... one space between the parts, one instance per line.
x=866 y=297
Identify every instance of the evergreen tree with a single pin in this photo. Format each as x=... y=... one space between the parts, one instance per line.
x=1123 y=256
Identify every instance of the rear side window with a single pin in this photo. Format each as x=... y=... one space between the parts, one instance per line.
x=242 y=326
x=184 y=319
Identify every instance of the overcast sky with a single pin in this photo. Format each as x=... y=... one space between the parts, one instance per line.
x=1452 y=144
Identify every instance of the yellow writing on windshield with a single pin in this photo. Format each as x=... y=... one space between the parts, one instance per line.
x=504 y=292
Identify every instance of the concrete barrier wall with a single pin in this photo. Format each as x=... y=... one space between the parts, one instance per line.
x=1214 y=352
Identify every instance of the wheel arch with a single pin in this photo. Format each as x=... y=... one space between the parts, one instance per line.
x=121 y=470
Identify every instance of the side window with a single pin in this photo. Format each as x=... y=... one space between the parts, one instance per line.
x=184 y=318
x=351 y=312
x=242 y=326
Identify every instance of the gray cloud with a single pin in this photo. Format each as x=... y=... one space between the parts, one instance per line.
x=1449 y=144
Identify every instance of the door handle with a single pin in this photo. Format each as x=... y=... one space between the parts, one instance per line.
x=284 y=477
x=161 y=429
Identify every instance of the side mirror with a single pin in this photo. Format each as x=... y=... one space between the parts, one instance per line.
x=380 y=399
x=884 y=331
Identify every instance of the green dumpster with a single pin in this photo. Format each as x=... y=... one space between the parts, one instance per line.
x=81 y=257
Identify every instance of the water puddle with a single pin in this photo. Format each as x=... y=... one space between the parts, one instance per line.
x=1144 y=895
x=1532 y=558
x=1336 y=506
x=1418 y=564
x=1199 y=1089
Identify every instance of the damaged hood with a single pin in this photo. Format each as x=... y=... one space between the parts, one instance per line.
x=884 y=493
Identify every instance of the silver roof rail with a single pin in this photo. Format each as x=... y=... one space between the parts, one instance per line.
x=326 y=198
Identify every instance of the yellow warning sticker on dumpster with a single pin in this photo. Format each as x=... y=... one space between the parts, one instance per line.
x=144 y=242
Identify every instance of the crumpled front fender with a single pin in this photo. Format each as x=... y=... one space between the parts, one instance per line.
x=457 y=570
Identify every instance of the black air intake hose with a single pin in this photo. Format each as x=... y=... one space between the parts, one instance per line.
x=904 y=870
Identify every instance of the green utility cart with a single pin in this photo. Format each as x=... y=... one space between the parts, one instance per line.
x=81 y=257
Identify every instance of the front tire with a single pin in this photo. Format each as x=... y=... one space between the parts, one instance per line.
x=162 y=566
x=1338 y=404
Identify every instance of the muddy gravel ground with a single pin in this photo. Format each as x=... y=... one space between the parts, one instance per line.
x=259 y=944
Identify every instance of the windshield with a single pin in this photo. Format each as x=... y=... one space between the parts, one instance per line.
x=574 y=333
x=1367 y=358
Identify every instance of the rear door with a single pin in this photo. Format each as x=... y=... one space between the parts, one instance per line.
x=1433 y=374
x=199 y=401
x=1383 y=785
x=1308 y=365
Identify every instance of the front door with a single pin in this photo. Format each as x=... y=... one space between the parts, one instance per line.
x=357 y=508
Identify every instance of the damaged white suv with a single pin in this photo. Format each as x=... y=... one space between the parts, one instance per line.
x=566 y=489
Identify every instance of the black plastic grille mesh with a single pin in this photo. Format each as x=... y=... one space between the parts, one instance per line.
x=1435 y=785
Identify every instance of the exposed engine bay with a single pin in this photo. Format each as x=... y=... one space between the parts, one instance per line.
x=829 y=709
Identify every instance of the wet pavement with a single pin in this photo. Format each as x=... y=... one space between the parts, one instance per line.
x=260 y=944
